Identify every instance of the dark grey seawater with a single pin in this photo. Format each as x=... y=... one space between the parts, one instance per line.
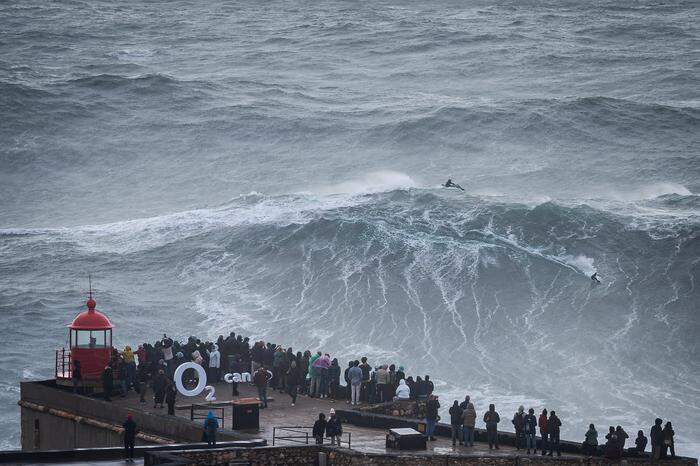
x=273 y=168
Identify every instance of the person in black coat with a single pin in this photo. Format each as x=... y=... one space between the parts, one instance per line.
x=657 y=439
x=293 y=378
x=346 y=377
x=129 y=437
x=160 y=383
x=319 y=429
x=107 y=383
x=456 y=422
x=334 y=379
x=170 y=397
x=334 y=428
x=553 y=426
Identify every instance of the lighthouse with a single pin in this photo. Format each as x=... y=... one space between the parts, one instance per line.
x=90 y=347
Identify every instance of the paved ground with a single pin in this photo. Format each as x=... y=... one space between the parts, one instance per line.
x=281 y=413
x=137 y=462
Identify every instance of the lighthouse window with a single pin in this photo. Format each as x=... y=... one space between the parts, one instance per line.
x=90 y=338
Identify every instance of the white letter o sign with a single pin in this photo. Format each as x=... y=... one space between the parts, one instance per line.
x=200 y=374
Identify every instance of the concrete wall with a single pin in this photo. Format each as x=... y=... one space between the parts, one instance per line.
x=308 y=455
x=69 y=434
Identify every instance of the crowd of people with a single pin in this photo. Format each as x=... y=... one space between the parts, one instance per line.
x=272 y=366
x=526 y=425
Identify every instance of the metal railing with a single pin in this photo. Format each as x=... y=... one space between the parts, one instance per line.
x=200 y=412
x=64 y=364
x=302 y=435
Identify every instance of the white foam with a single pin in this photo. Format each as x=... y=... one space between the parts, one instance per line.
x=374 y=182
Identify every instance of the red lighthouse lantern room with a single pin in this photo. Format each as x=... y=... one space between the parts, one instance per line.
x=90 y=337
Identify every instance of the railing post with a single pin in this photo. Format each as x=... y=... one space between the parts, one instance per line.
x=274 y=434
x=307 y=437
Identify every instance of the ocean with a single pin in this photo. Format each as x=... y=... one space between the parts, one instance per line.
x=274 y=169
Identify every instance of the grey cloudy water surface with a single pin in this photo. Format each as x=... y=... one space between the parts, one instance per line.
x=273 y=168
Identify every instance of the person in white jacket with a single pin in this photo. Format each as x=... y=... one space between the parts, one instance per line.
x=403 y=391
x=214 y=364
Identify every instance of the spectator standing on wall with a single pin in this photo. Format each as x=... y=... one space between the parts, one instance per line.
x=76 y=376
x=170 y=397
x=356 y=377
x=468 y=424
x=519 y=425
x=491 y=418
x=334 y=380
x=293 y=380
x=260 y=379
x=129 y=437
x=431 y=416
x=530 y=431
x=319 y=429
x=612 y=446
x=553 y=426
x=346 y=377
x=214 y=364
x=402 y=391
x=640 y=442
x=334 y=429
x=429 y=385
x=382 y=382
x=366 y=369
x=657 y=439
x=456 y=423
x=107 y=383
x=315 y=386
x=668 y=435
x=542 y=423
x=621 y=438
x=590 y=444
x=464 y=403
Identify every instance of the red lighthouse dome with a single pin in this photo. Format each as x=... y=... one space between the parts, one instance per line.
x=90 y=336
x=91 y=319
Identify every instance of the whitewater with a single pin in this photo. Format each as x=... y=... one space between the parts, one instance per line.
x=275 y=168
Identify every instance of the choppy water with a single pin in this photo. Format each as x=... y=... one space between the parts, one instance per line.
x=273 y=168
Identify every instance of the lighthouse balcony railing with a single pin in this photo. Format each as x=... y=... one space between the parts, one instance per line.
x=64 y=366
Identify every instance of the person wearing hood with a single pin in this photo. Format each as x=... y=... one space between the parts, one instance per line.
x=319 y=429
x=456 y=422
x=315 y=377
x=403 y=392
x=160 y=383
x=107 y=383
x=334 y=380
x=129 y=437
x=334 y=428
x=323 y=364
x=590 y=444
x=530 y=431
x=130 y=366
x=519 y=425
x=542 y=423
x=468 y=424
x=214 y=364
x=553 y=426
x=211 y=426
x=491 y=418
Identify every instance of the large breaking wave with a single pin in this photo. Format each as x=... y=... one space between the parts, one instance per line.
x=486 y=295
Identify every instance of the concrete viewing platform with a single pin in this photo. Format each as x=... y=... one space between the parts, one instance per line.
x=53 y=418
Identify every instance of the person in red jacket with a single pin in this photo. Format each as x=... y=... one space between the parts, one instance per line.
x=542 y=423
